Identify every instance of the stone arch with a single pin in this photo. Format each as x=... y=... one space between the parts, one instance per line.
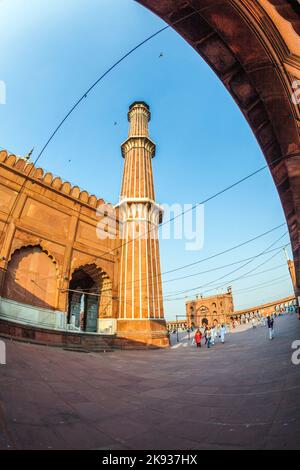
x=253 y=47
x=202 y=308
x=35 y=242
x=31 y=244
x=31 y=277
x=90 y=297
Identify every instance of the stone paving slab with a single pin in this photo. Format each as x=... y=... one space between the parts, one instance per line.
x=241 y=395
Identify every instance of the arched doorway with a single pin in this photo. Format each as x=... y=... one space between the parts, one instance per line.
x=90 y=298
x=253 y=47
x=31 y=278
x=203 y=313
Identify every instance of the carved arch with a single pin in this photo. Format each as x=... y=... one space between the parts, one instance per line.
x=41 y=245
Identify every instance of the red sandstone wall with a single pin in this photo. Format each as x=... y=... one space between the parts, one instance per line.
x=59 y=219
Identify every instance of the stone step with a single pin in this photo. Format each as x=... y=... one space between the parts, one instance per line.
x=88 y=348
x=91 y=344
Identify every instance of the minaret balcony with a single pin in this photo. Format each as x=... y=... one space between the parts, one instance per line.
x=139 y=209
x=138 y=141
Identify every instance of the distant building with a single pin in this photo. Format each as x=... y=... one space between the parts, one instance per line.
x=213 y=309
x=266 y=309
x=220 y=309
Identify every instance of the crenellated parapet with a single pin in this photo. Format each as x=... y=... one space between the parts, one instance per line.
x=28 y=170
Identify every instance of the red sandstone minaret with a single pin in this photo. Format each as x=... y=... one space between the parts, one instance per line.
x=141 y=315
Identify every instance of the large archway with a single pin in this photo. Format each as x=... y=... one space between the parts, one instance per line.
x=90 y=298
x=31 y=278
x=253 y=46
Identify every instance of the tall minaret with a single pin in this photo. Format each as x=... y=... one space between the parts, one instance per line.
x=141 y=315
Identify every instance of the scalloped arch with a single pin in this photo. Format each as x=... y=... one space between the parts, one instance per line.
x=36 y=245
x=82 y=265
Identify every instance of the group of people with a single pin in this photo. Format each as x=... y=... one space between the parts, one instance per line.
x=210 y=335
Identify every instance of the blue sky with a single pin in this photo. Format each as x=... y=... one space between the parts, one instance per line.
x=49 y=56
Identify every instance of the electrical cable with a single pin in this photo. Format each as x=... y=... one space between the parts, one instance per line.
x=233 y=271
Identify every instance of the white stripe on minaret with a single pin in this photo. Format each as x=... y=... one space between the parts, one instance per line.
x=147 y=268
x=139 y=235
x=152 y=280
x=133 y=260
x=130 y=176
x=144 y=175
x=140 y=268
x=149 y=177
x=140 y=157
x=129 y=172
x=121 y=279
x=157 y=280
x=154 y=276
x=123 y=181
x=126 y=268
x=134 y=179
x=127 y=158
x=126 y=176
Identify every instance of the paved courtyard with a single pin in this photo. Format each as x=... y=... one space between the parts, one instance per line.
x=245 y=394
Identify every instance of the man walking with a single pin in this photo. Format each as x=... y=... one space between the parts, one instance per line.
x=213 y=334
x=223 y=331
x=270 y=323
